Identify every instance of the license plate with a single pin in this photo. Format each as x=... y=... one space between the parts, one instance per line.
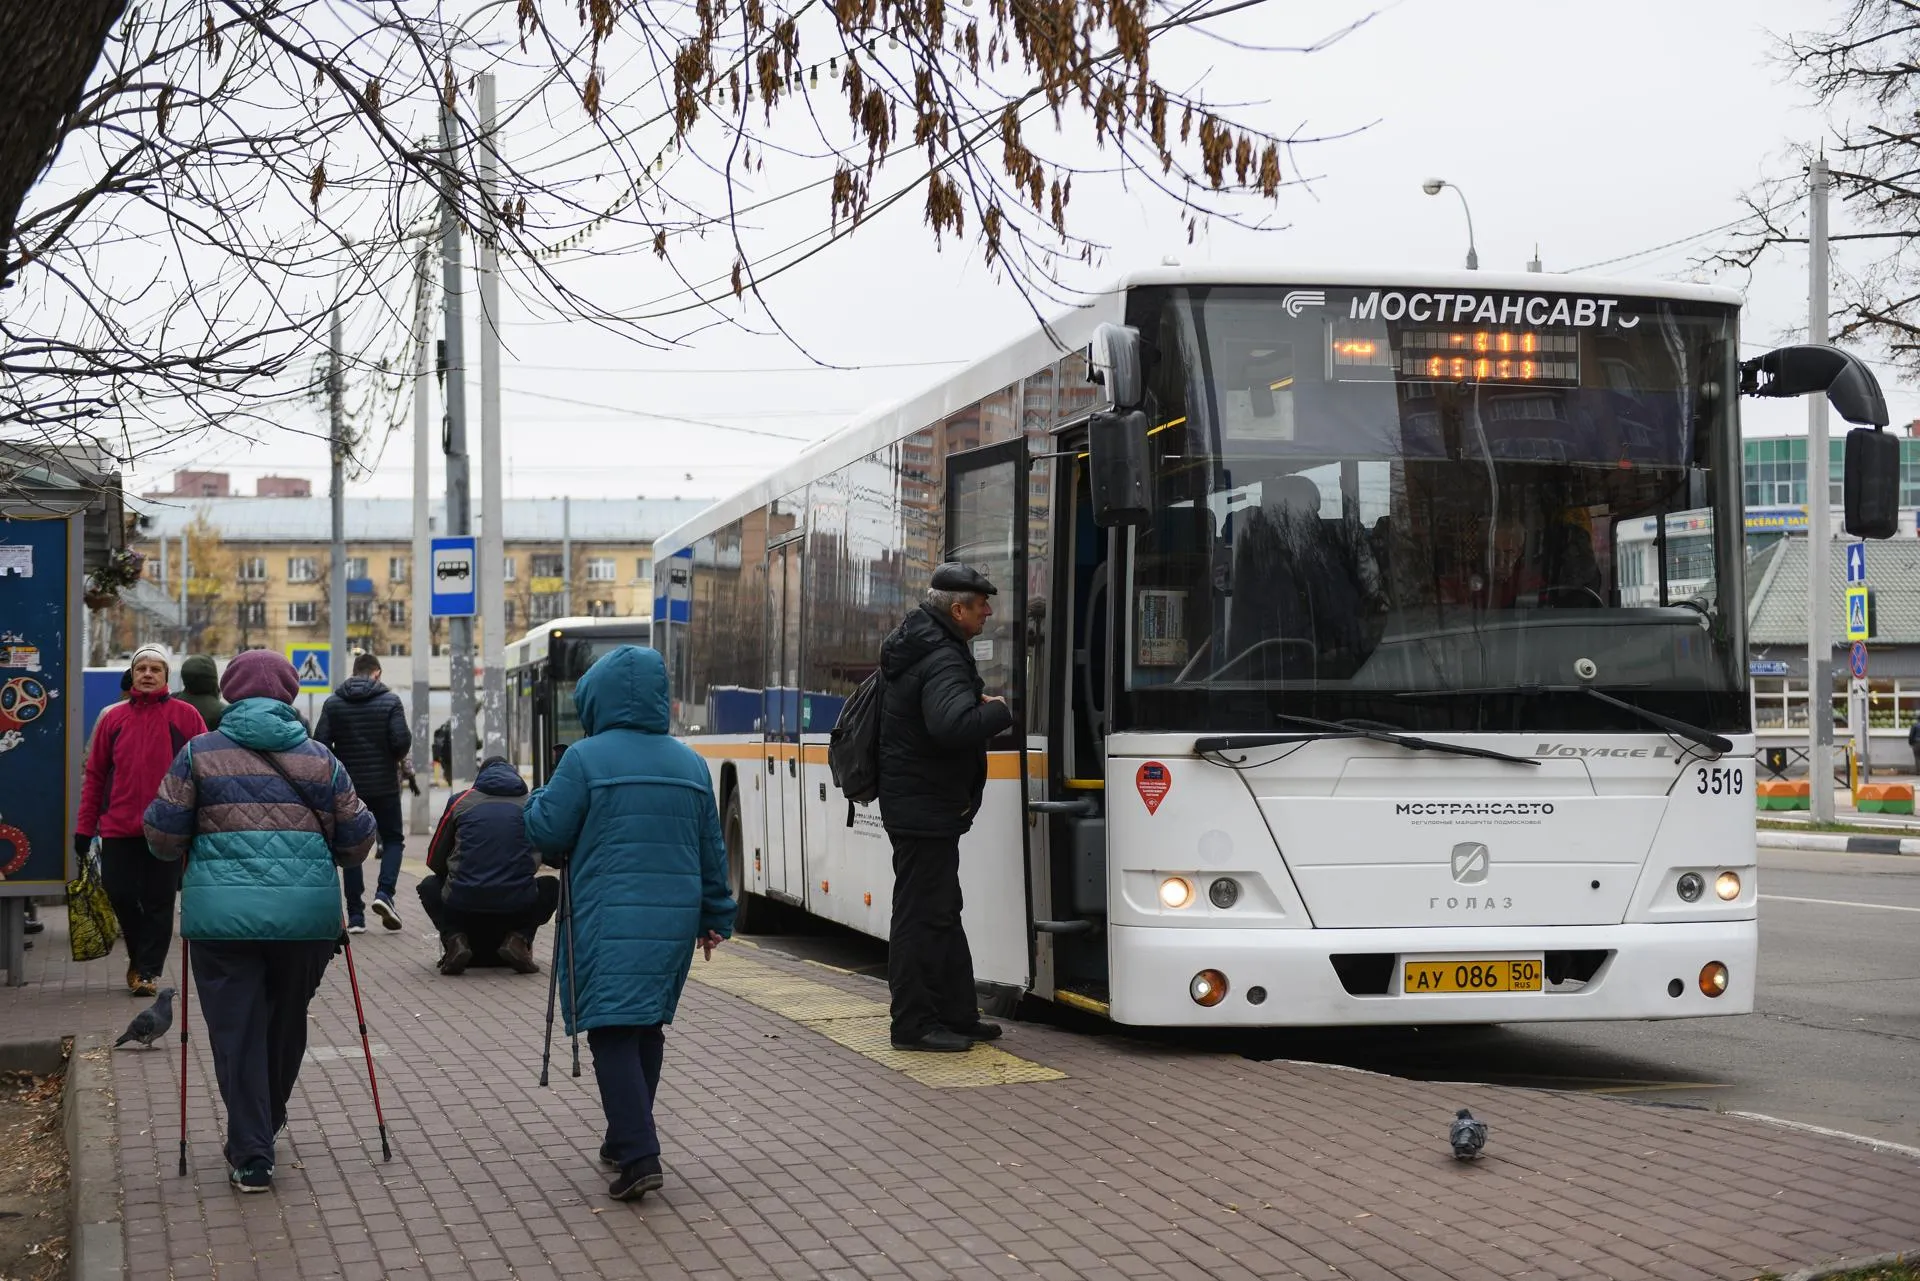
x=1423 y=977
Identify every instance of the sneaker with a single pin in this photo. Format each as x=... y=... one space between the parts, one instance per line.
x=517 y=952
x=146 y=987
x=455 y=955
x=356 y=925
x=384 y=909
x=256 y=1176
x=636 y=1180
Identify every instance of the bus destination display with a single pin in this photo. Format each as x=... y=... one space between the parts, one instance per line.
x=1521 y=356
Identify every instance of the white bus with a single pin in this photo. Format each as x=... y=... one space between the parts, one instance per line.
x=542 y=668
x=1331 y=710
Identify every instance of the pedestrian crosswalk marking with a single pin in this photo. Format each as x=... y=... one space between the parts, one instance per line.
x=862 y=1025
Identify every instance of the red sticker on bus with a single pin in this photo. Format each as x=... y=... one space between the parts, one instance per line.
x=1153 y=780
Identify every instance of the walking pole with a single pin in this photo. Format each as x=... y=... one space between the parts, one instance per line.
x=573 y=1005
x=186 y=999
x=553 y=981
x=366 y=1046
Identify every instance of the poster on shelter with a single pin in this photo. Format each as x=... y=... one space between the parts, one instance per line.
x=33 y=705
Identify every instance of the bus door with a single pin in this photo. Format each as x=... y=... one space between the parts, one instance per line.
x=780 y=718
x=987 y=528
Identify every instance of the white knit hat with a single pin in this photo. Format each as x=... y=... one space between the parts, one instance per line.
x=156 y=652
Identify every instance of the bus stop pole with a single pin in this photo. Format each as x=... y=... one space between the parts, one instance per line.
x=1819 y=527
x=493 y=479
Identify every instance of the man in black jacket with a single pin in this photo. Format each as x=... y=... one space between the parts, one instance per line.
x=935 y=723
x=364 y=724
x=482 y=892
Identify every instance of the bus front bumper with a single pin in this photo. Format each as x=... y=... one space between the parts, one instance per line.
x=1293 y=979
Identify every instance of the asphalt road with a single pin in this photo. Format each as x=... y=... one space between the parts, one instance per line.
x=1834 y=1040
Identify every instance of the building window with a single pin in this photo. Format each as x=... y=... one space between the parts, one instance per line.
x=547 y=565
x=302 y=613
x=506 y=572
x=643 y=568
x=600 y=569
x=251 y=613
x=356 y=567
x=302 y=569
x=599 y=609
x=397 y=649
x=251 y=569
x=509 y=610
x=397 y=613
x=397 y=568
x=545 y=608
x=360 y=610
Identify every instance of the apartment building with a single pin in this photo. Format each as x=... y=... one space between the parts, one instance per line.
x=256 y=568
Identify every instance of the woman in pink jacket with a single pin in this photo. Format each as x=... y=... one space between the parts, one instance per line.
x=133 y=744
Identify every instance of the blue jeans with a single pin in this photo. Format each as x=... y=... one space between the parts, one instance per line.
x=393 y=846
x=626 y=1063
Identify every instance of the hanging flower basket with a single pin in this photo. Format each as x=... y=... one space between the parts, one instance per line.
x=123 y=569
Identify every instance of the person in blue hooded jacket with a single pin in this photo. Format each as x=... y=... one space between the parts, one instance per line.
x=629 y=813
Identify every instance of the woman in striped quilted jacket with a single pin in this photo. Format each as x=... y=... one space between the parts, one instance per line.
x=263 y=816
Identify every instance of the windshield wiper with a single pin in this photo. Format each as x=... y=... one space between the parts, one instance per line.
x=1704 y=737
x=1325 y=730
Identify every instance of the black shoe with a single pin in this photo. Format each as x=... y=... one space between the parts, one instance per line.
x=35 y=925
x=384 y=909
x=256 y=1177
x=606 y=1158
x=457 y=954
x=938 y=1041
x=636 y=1180
x=517 y=952
x=979 y=1030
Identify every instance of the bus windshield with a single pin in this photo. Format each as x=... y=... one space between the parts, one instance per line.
x=1402 y=507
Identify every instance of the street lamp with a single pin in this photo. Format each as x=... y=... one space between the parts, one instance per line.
x=1432 y=187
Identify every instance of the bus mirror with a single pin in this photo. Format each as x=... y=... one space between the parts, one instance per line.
x=1798 y=371
x=1115 y=363
x=1117 y=468
x=1872 y=483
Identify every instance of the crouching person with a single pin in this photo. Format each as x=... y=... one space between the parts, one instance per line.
x=630 y=814
x=263 y=816
x=483 y=891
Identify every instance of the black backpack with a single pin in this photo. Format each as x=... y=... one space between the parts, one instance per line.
x=853 y=750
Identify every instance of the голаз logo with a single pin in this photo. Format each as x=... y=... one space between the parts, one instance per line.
x=1298 y=300
x=1470 y=862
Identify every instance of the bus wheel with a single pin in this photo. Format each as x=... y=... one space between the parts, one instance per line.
x=754 y=913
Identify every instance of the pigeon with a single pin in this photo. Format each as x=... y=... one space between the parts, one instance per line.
x=1467 y=1135
x=150 y=1024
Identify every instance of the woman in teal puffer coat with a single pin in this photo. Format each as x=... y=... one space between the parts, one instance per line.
x=630 y=814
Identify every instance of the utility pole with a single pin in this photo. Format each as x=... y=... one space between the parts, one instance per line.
x=492 y=550
x=186 y=630
x=566 y=557
x=1819 y=527
x=337 y=579
x=459 y=500
x=421 y=641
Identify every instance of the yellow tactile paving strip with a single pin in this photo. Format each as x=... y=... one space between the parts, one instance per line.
x=861 y=1025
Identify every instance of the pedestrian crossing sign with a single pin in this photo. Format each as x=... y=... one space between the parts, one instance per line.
x=313 y=665
x=1856 y=613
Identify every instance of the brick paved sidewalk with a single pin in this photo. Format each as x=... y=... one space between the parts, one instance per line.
x=791 y=1154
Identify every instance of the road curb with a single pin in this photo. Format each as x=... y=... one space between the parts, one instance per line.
x=1836 y=843
x=1821 y=1271
x=96 y=1245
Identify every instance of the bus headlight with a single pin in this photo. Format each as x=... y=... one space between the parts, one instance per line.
x=1727 y=886
x=1208 y=988
x=1175 y=892
x=1713 y=978
x=1224 y=893
x=1690 y=887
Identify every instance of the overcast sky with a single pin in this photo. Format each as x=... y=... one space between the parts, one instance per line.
x=1595 y=132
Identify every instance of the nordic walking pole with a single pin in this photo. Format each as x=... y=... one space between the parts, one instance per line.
x=553 y=984
x=186 y=999
x=573 y=1005
x=366 y=1046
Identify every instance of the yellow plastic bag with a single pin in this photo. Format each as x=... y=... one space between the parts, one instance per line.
x=91 y=925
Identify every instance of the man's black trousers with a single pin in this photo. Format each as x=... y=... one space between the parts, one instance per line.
x=486 y=931
x=929 y=967
x=253 y=1003
x=141 y=889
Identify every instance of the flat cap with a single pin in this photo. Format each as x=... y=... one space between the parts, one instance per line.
x=957 y=576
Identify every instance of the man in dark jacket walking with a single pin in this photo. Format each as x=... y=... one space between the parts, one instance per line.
x=935 y=723
x=363 y=724
x=483 y=892
x=200 y=688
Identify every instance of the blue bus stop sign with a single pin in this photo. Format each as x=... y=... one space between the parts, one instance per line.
x=454 y=577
